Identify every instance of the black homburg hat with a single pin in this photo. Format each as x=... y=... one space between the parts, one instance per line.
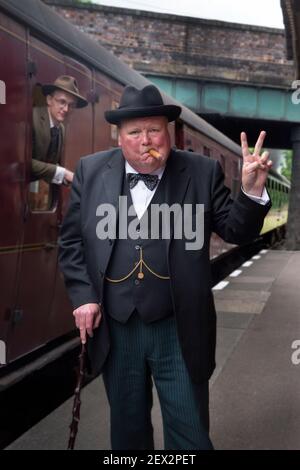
x=142 y=103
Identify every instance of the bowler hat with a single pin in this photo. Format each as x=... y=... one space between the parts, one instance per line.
x=142 y=103
x=67 y=84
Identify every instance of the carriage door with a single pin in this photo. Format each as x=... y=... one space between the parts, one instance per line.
x=39 y=254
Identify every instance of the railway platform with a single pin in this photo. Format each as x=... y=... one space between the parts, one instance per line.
x=255 y=389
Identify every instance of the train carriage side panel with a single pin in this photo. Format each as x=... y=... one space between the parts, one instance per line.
x=38 y=264
x=13 y=138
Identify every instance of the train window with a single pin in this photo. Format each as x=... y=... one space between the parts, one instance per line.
x=206 y=151
x=113 y=127
x=235 y=188
x=114 y=132
x=235 y=170
x=235 y=179
x=223 y=163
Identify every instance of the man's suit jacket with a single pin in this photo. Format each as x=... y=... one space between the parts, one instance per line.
x=41 y=167
x=190 y=179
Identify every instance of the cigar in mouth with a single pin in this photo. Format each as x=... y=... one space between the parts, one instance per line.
x=154 y=153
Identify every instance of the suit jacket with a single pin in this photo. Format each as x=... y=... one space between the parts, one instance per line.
x=41 y=167
x=84 y=258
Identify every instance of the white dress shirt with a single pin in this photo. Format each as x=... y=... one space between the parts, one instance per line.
x=263 y=199
x=140 y=194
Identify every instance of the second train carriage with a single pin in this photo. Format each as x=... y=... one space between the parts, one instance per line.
x=36 y=46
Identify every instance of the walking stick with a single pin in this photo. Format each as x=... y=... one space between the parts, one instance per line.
x=77 y=401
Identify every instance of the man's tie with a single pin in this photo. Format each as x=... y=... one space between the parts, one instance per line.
x=149 y=180
x=53 y=146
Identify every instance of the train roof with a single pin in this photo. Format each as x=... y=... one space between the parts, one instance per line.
x=47 y=23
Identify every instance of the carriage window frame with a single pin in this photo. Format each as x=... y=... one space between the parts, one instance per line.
x=223 y=162
x=206 y=151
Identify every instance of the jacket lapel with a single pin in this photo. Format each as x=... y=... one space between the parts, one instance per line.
x=41 y=135
x=112 y=179
x=107 y=192
x=44 y=131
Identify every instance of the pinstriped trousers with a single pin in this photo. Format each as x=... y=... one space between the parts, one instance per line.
x=140 y=351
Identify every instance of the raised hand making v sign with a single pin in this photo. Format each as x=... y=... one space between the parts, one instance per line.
x=255 y=166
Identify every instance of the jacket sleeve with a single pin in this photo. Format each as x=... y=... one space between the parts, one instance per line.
x=72 y=251
x=236 y=221
x=42 y=170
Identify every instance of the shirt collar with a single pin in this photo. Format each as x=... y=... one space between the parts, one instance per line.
x=159 y=172
x=51 y=120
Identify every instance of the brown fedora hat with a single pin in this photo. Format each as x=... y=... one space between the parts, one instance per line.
x=67 y=84
x=142 y=103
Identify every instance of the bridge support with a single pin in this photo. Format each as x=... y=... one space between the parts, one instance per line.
x=293 y=225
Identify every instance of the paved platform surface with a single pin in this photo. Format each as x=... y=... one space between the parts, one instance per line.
x=255 y=389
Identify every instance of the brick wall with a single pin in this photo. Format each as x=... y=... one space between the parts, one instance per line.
x=183 y=46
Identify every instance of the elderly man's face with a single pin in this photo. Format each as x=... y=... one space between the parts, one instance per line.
x=60 y=105
x=138 y=136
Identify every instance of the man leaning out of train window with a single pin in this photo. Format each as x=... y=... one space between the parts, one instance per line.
x=49 y=132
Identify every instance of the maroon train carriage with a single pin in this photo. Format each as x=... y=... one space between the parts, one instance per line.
x=36 y=46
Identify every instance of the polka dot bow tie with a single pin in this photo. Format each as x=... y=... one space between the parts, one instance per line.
x=149 y=180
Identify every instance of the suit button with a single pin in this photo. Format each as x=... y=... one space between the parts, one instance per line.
x=110 y=242
x=136 y=281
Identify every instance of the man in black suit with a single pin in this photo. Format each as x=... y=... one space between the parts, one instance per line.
x=142 y=294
